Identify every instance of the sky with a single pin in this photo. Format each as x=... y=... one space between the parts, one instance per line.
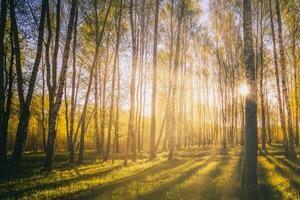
x=205 y=10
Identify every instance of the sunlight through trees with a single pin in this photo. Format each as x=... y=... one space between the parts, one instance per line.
x=103 y=94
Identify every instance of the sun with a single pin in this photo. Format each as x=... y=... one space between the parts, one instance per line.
x=244 y=89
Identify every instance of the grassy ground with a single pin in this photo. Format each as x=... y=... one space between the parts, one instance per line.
x=199 y=173
x=279 y=178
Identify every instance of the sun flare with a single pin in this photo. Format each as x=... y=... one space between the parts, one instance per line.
x=244 y=89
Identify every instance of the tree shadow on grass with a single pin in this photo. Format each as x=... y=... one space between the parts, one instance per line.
x=284 y=173
x=14 y=191
x=94 y=191
x=59 y=183
x=275 y=150
x=267 y=191
x=290 y=165
x=162 y=190
x=32 y=165
x=11 y=190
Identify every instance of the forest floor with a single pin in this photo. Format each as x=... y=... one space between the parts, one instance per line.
x=197 y=173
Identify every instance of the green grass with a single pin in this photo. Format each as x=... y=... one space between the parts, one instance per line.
x=279 y=178
x=197 y=173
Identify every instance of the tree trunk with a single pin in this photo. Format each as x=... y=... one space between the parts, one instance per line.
x=292 y=153
x=154 y=80
x=112 y=100
x=6 y=112
x=25 y=102
x=268 y=119
x=118 y=31
x=97 y=132
x=2 y=59
x=103 y=102
x=192 y=107
x=168 y=111
x=43 y=108
x=295 y=62
x=103 y=106
x=130 y=133
x=94 y=65
x=174 y=84
x=117 y=111
x=73 y=94
x=249 y=178
x=96 y=74
x=62 y=79
x=262 y=104
x=281 y=112
x=84 y=111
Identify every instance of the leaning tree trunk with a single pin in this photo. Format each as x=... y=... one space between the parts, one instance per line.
x=25 y=102
x=94 y=65
x=249 y=179
x=62 y=79
x=73 y=95
x=84 y=111
x=112 y=100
